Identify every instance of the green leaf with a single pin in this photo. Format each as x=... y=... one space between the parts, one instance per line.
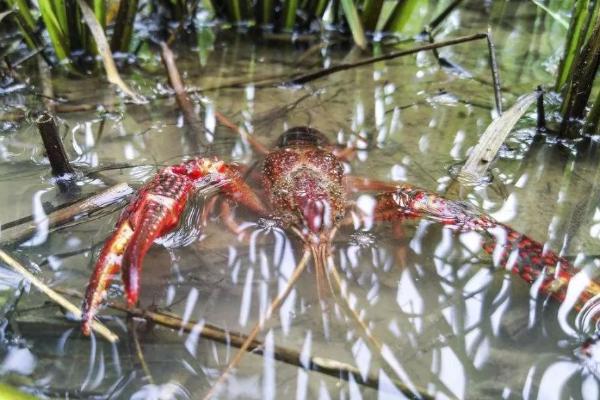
x=573 y=44
x=554 y=15
x=402 y=16
x=289 y=14
x=57 y=36
x=371 y=13
x=10 y=393
x=358 y=34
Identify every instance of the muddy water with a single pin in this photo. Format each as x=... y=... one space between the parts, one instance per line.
x=442 y=319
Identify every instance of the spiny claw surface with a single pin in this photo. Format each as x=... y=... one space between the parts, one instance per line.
x=153 y=212
x=107 y=267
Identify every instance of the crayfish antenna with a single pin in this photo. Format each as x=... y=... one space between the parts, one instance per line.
x=108 y=265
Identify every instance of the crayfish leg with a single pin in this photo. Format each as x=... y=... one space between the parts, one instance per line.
x=107 y=266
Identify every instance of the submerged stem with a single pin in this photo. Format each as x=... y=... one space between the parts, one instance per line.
x=56 y=297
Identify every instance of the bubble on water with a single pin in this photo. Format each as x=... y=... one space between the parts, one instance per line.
x=268 y=224
x=362 y=239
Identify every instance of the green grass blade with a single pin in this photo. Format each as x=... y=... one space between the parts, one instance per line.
x=23 y=9
x=321 y=7
x=28 y=35
x=573 y=44
x=206 y=40
x=593 y=17
x=100 y=12
x=579 y=88
x=289 y=14
x=235 y=11
x=209 y=6
x=401 y=16
x=370 y=13
x=57 y=37
x=592 y=123
x=124 y=26
x=61 y=14
x=73 y=32
x=8 y=392
x=551 y=13
x=265 y=12
x=351 y=13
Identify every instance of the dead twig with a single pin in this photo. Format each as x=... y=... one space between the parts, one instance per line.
x=326 y=366
x=55 y=151
x=304 y=78
x=18 y=233
x=181 y=94
x=183 y=100
x=541 y=114
x=486 y=149
x=104 y=49
x=139 y=352
x=56 y=297
x=495 y=72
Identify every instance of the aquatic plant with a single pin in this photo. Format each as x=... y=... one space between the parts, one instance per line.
x=360 y=17
x=70 y=37
x=577 y=71
x=67 y=32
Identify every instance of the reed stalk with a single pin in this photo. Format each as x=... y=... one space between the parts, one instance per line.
x=354 y=23
x=60 y=41
x=401 y=15
x=592 y=123
x=53 y=144
x=123 y=29
x=264 y=12
x=578 y=91
x=370 y=13
x=575 y=35
x=289 y=14
x=100 y=12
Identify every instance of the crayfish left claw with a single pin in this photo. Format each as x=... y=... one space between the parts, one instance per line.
x=152 y=213
x=107 y=267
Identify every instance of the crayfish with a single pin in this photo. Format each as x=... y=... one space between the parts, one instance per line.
x=305 y=189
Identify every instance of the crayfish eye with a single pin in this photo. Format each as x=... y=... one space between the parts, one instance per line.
x=301 y=136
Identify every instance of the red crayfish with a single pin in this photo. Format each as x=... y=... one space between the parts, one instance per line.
x=305 y=189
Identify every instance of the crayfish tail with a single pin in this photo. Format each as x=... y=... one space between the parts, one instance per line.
x=106 y=268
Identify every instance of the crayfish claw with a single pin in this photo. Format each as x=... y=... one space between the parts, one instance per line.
x=155 y=217
x=106 y=268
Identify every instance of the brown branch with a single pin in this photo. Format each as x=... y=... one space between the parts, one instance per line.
x=53 y=145
x=301 y=79
x=326 y=366
x=186 y=106
x=184 y=102
x=139 y=352
x=274 y=306
x=18 y=233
